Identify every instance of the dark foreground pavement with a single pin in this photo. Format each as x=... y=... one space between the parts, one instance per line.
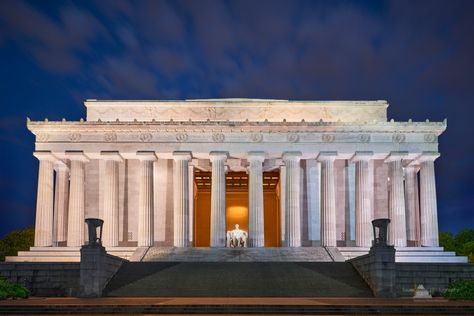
x=255 y=305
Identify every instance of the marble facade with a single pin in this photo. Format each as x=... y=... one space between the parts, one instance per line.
x=132 y=163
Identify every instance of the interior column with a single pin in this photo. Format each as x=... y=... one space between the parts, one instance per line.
x=145 y=199
x=396 y=210
x=256 y=221
x=181 y=198
x=292 y=199
x=218 y=205
x=364 y=196
x=428 y=207
x=44 y=200
x=328 y=199
x=111 y=199
x=76 y=225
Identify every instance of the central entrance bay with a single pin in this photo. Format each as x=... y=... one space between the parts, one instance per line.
x=237 y=196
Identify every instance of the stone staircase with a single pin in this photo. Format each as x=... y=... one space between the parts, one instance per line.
x=280 y=254
x=410 y=254
x=237 y=279
x=66 y=254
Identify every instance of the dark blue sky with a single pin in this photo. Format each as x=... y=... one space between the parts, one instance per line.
x=418 y=55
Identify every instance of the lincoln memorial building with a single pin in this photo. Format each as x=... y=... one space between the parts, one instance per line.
x=183 y=174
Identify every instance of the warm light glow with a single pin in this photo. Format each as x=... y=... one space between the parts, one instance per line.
x=237 y=214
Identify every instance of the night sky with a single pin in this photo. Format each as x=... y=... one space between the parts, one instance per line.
x=418 y=55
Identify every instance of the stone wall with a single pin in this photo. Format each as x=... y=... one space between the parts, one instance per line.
x=435 y=277
x=44 y=279
x=96 y=269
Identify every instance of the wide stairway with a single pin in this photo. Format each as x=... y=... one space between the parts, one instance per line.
x=266 y=254
x=237 y=279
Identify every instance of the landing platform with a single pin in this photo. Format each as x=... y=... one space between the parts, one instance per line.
x=280 y=254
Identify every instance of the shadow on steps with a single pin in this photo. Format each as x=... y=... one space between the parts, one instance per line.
x=238 y=279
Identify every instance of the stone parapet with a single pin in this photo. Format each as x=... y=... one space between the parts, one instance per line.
x=96 y=270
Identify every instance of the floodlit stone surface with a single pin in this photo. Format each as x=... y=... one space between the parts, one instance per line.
x=327 y=192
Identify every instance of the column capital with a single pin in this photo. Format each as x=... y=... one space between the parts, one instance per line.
x=396 y=155
x=327 y=156
x=76 y=156
x=292 y=155
x=363 y=156
x=218 y=155
x=45 y=155
x=182 y=155
x=427 y=156
x=60 y=165
x=111 y=155
x=256 y=156
x=146 y=155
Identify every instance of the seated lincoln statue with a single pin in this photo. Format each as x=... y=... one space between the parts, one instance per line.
x=236 y=237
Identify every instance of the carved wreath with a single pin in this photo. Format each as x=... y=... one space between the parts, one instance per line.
x=218 y=137
x=364 y=138
x=110 y=137
x=256 y=138
x=74 y=137
x=398 y=138
x=145 y=137
x=430 y=138
x=181 y=137
x=293 y=138
x=328 y=138
x=42 y=137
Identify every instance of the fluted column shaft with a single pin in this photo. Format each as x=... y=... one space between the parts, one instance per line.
x=75 y=230
x=412 y=203
x=328 y=199
x=61 y=202
x=428 y=207
x=397 y=229
x=364 y=198
x=292 y=199
x=145 y=199
x=111 y=199
x=218 y=204
x=256 y=221
x=181 y=198
x=283 y=204
x=44 y=200
x=191 y=203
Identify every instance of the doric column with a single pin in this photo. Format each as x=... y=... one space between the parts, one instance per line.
x=364 y=195
x=396 y=210
x=428 y=207
x=75 y=228
x=111 y=199
x=181 y=198
x=145 y=199
x=61 y=202
x=256 y=229
x=218 y=228
x=412 y=203
x=282 y=204
x=328 y=199
x=191 y=203
x=44 y=200
x=292 y=199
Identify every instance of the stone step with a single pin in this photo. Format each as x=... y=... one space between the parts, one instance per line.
x=64 y=254
x=43 y=259
x=411 y=254
x=270 y=254
x=238 y=279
